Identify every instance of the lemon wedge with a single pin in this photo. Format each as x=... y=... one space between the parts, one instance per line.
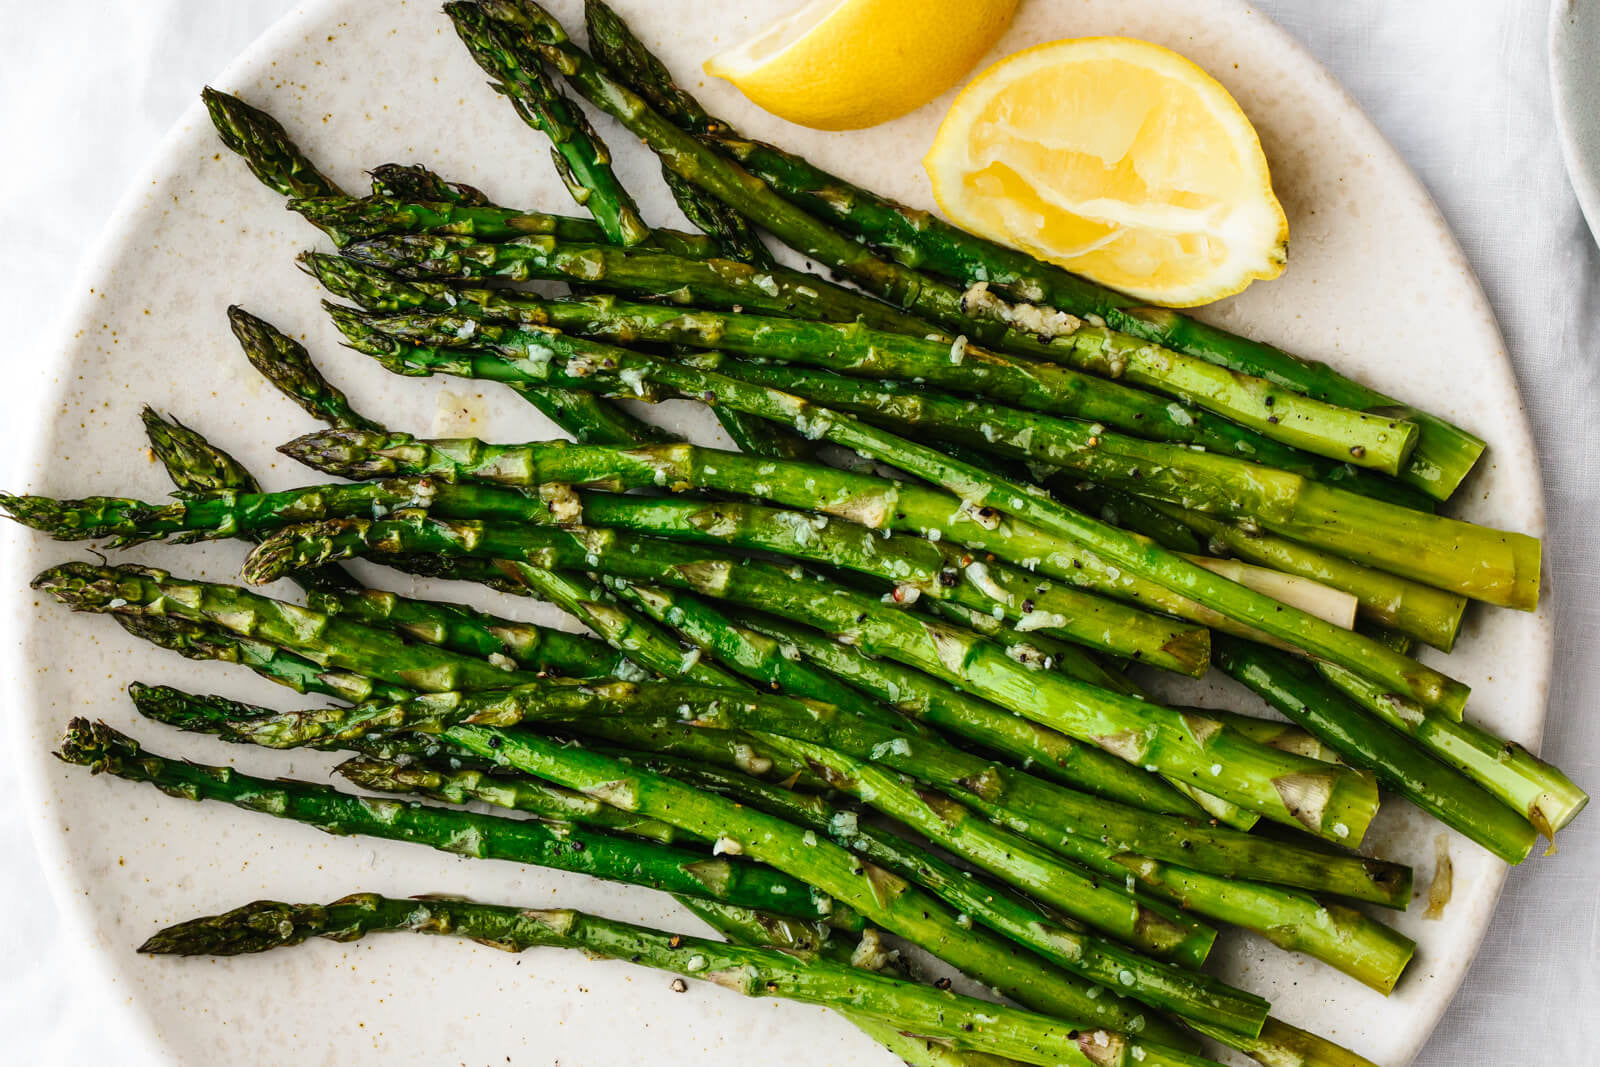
x=847 y=64
x=1119 y=160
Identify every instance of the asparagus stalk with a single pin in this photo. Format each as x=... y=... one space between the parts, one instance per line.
x=1159 y=985
x=1296 y=690
x=580 y=156
x=714 y=283
x=325 y=639
x=914 y=566
x=567 y=847
x=963 y=1021
x=717 y=748
x=901 y=907
x=198 y=467
x=977 y=490
x=743 y=927
x=1430 y=615
x=919 y=697
x=859 y=350
x=1278 y=1045
x=1444 y=453
x=1527 y=784
x=458 y=785
x=1051 y=810
x=203 y=642
x=1145 y=734
x=977 y=313
x=280 y=165
x=1004 y=854
x=494 y=639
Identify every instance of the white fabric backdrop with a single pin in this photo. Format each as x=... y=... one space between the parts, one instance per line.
x=1460 y=87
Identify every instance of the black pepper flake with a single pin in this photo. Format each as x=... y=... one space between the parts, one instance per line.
x=1027 y=606
x=495 y=741
x=943 y=983
x=948 y=578
x=708 y=396
x=1273 y=419
x=967 y=1027
x=862 y=617
x=1358 y=451
x=578 y=846
x=1271 y=400
x=679 y=985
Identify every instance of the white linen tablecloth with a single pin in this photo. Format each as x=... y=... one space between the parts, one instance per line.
x=1460 y=87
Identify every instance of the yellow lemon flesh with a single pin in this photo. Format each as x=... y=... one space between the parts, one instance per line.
x=847 y=64
x=1119 y=160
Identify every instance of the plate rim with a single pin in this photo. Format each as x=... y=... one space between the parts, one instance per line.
x=67 y=887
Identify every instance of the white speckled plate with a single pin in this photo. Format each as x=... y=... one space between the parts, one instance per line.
x=1376 y=285
x=1575 y=85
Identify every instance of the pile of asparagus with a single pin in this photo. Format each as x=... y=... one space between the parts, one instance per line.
x=839 y=685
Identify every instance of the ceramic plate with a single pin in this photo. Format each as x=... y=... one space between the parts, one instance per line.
x=1376 y=285
x=1575 y=84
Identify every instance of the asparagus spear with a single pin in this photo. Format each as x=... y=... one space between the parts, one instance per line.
x=1159 y=985
x=580 y=157
x=1423 y=547
x=999 y=851
x=285 y=363
x=347 y=219
x=963 y=1021
x=1278 y=1045
x=644 y=271
x=714 y=282
x=980 y=489
x=744 y=927
x=458 y=785
x=280 y=165
x=261 y=141
x=325 y=639
x=717 y=748
x=1444 y=453
x=1430 y=615
x=529 y=841
x=920 y=697
x=1527 y=784
x=494 y=639
x=890 y=902
x=583 y=160
x=1142 y=733
x=859 y=350
x=1037 y=809
x=1296 y=690
x=977 y=313
x=199 y=641
x=915 y=567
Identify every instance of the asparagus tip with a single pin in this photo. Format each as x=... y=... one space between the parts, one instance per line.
x=255 y=927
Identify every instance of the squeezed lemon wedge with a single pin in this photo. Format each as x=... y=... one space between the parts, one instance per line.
x=1119 y=160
